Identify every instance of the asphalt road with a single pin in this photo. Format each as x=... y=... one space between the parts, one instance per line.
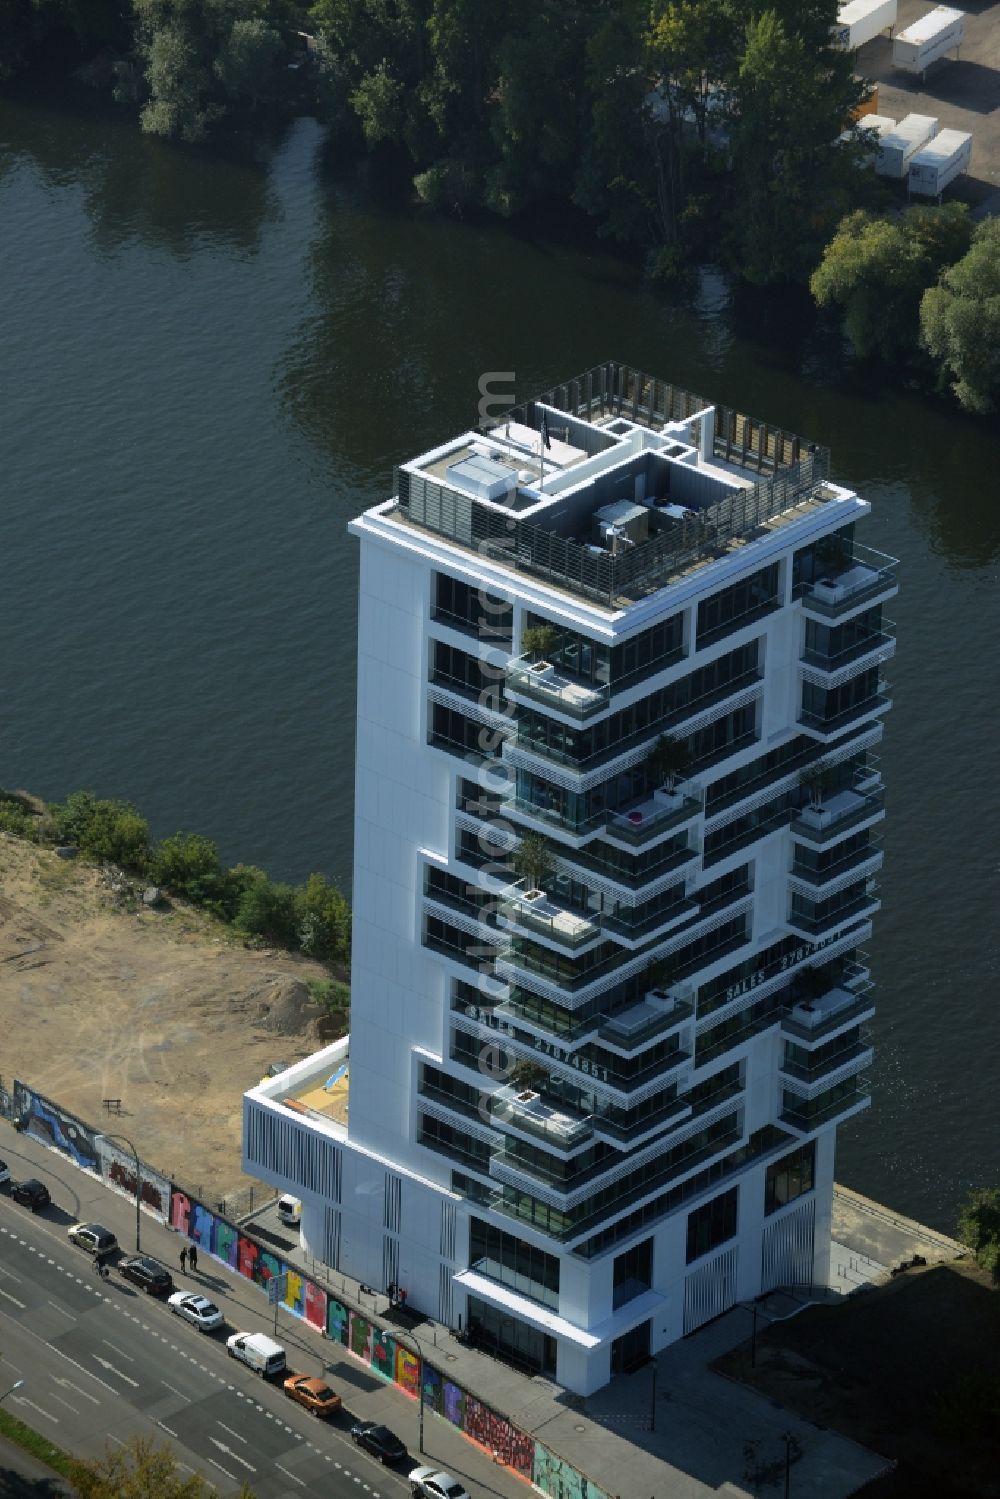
x=102 y=1362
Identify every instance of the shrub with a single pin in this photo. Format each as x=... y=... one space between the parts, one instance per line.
x=188 y=864
x=269 y=910
x=106 y=830
x=14 y=818
x=324 y=921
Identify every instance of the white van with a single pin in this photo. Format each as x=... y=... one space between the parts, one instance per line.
x=289 y=1210
x=258 y=1352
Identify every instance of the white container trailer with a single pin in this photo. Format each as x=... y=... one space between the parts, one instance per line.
x=861 y=20
x=879 y=125
x=939 y=162
x=896 y=148
x=928 y=39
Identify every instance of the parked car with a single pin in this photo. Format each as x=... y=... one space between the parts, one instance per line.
x=203 y=1313
x=432 y=1483
x=379 y=1441
x=93 y=1238
x=33 y=1194
x=4 y=1172
x=258 y=1352
x=289 y=1210
x=315 y=1394
x=148 y=1274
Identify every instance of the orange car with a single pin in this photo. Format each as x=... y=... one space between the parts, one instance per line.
x=314 y=1394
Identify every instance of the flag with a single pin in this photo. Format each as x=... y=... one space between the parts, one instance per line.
x=544 y=430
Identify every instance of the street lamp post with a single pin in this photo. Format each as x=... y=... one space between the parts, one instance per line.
x=138 y=1182
x=15 y=1386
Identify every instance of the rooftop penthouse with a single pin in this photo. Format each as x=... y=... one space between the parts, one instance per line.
x=613 y=485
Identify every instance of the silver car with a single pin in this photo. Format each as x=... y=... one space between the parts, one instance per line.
x=431 y=1483
x=197 y=1309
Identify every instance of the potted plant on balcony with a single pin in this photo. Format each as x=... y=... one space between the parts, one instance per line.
x=816 y=780
x=666 y=763
x=810 y=985
x=538 y=642
x=527 y=1078
x=534 y=863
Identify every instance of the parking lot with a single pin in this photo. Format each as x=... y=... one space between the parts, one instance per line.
x=964 y=94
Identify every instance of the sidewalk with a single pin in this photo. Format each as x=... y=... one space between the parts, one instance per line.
x=705 y=1426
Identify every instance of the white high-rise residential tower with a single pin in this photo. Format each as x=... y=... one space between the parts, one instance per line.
x=615 y=838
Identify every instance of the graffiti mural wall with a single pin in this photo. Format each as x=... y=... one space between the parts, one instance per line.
x=375 y=1346
x=118 y=1169
x=221 y=1239
x=53 y=1126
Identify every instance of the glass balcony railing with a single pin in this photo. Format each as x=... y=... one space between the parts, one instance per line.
x=808 y=874
x=878 y=646
x=817 y=924
x=556 y=688
x=531 y=910
x=655 y=815
x=858 y=1055
x=841 y=811
x=806 y=1115
x=829 y=726
x=523 y=1108
x=864 y=577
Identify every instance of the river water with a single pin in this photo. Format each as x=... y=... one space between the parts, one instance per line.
x=208 y=364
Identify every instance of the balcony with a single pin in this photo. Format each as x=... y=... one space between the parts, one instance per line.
x=827 y=727
x=812 y=1022
x=843 y=812
x=818 y=927
x=654 y=815
x=816 y=883
x=867 y=577
x=555 y=688
x=804 y=1116
x=653 y=1017
x=833 y=668
x=525 y=1110
x=524 y=909
x=809 y=1080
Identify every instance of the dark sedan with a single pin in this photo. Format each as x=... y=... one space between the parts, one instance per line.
x=379 y=1441
x=33 y=1194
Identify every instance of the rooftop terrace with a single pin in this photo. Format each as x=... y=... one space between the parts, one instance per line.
x=612 y=485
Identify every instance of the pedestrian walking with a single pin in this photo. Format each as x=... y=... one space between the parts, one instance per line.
x=193 y=1257
x=184 y=1256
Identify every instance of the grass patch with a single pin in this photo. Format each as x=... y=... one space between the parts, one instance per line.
x=332 y=995
x=33 y=1442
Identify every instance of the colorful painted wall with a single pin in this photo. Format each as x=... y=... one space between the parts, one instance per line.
x=375 y=1346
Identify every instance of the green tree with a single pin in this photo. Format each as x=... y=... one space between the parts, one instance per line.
x=107 y=830
x=247 y=64
x=379 y=101
x=270 y=910
x=877 y=268
x=139 y=1470
x=615 y=180
x=979 y=1227
x=534 y=860
x=960 y=322
x=324 y=921
x=188 y=864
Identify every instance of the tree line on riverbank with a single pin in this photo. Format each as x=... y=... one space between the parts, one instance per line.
x=684 y=130
x=313 y=918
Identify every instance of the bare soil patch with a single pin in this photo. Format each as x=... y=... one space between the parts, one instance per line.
x=910 y=1368
x=163 y=1009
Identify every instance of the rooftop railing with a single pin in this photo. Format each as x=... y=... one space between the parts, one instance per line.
x=791 y=472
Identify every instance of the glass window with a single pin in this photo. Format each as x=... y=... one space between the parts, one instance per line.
x=712 y=1224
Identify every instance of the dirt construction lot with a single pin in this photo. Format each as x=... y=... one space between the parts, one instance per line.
x=963 y=92
x=158 y=1008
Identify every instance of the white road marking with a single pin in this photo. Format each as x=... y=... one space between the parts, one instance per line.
x=9 y=1275
x=232 y=1433
x=166 y=1428
x=292 y=1476
x=60 y=1401
x=230 y=1453
x=112 y=1438
x=107 y=1364
x=60 y=1308
x=23 y=1400
x=7 y=1297
x=67 y=1384
x=176 y=1392
x=118 y=1350
x=231 y=1476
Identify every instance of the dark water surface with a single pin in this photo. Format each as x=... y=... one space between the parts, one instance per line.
x=207 y=366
